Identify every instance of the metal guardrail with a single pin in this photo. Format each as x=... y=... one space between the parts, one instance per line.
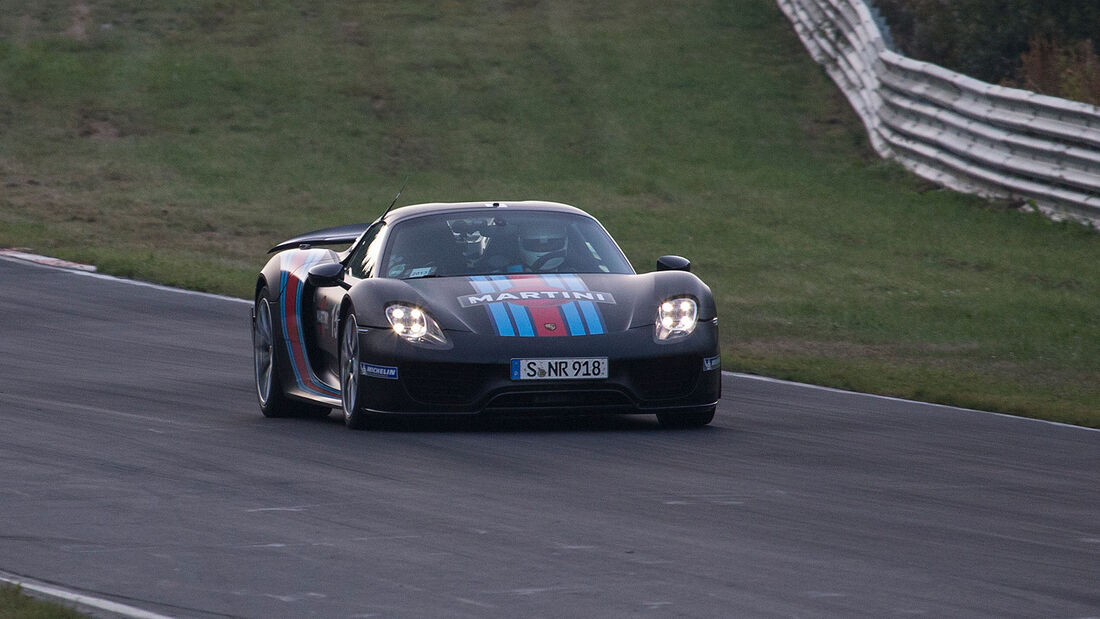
x=952 y=129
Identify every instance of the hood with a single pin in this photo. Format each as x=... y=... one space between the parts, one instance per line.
x=551 y=305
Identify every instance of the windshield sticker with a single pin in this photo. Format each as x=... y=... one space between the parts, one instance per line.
x=421 y=272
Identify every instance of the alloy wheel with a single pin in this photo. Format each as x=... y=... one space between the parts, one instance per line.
x=263 y=350
x=349 y=367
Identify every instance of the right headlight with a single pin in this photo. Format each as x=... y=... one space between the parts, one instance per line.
x=676 y=317
x=414 y=325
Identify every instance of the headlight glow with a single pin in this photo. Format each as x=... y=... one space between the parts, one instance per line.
x=676 y=318
x=413 y=324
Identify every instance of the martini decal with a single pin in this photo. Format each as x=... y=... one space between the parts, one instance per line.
x=530 y=305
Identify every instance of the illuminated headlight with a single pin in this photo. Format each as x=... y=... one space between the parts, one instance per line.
x=413 y=324
x=676 y=318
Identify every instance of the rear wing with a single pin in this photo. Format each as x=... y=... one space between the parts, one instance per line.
x=327 y=236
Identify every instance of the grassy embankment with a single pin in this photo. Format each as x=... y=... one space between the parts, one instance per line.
x=176 y=141
x=15 y=605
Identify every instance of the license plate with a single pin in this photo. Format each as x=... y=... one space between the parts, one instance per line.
x=554 y=369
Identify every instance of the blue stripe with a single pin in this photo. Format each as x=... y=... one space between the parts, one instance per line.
x=553 y=280
x=574 y=282
x=482 y=284
x=310 y=261
x=284 y=280
x=282 y=303
x=573 y=318
x=502 y=282
x=523 y=321
x=282 y=318
x=500 y=319
x=592 y=317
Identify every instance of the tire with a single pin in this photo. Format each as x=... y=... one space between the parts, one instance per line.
x=265 y=362
x=350 y=388
x=686 y=419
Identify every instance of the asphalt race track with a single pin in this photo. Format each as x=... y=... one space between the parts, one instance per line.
x=135 y=467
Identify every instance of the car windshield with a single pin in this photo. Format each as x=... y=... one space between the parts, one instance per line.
x=469 y=243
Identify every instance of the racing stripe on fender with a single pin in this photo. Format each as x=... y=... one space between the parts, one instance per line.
x=291 y=287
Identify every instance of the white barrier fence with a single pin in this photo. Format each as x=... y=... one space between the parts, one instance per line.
x=952 y=129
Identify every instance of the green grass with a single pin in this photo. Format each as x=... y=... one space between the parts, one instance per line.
x=177 y=141
x=15 y=605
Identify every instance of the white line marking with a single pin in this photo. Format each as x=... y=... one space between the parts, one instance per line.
x=779 y=381
x=48 y=403
x=276 y=509
x=475 y=603
x=133 y=282
x=46 y=260
x=383 y=537
x=196 y=293
x=79 y=598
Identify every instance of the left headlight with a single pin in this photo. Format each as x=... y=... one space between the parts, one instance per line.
x=414 y=324
x=676 y=317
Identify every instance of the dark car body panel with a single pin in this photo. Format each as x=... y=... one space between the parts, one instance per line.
x=477 y=378
x=488 y=321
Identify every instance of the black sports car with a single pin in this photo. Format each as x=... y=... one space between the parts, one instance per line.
x=515 y=308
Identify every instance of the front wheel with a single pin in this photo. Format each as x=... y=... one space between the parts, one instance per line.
x=354 y=417
x=686 y=419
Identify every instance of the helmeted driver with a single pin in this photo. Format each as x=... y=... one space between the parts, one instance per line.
x=468 y=236
x=543 y=245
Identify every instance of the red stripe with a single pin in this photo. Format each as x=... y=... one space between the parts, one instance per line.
x=297 y=351
x=542 y=316
x=542 y=313
x=291 y=317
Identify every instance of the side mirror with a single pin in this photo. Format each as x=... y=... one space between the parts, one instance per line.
x=326 y=275
x=673 y=263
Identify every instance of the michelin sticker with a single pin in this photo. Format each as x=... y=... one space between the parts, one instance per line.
x=712 y=363
x=378 y=371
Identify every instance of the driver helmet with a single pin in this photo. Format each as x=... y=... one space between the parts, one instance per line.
x=541 y=239
x=469 y=237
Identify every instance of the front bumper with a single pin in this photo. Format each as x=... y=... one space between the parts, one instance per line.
x=474 y=375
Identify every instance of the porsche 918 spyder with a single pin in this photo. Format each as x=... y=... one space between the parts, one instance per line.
x=523 y=308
